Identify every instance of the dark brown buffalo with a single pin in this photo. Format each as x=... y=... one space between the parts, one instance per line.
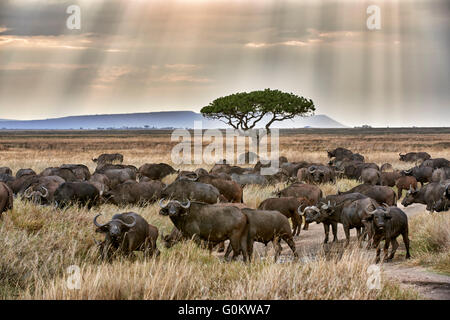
x=293 y=167
x=76 y=193
x=211 y=223
x=288 y=206
x=25 y=172
x=423 y=174
x=354 y=169
x=321 y=174
x=118 y=174
x=125 y=233
x=5 y=170
x=328 y=210
x=436 y=163
x=388 y=223
x=443 y=203
x=386 y=166
x=380 y=194
x=350 y=213
x=414 y=156
x=302 y=190
x=6 y=177
x=156 y=171
x=81 y=172
x=440 y=174
x=132 y=192
x=101 y=182
x=267 y=226
x=428 y=195
x=389 y=178
x=230 y=190
x=19 y=185
x=108 y=158
x=371 y=176
x=6 y=198
x=42 y=189
x=67 y=174
x=340 y=153
x=405 y=183
x=182 y=190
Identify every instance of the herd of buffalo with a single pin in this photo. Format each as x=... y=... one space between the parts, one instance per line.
x=208 y=206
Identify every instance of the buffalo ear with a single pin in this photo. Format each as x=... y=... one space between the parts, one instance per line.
x=103 y=229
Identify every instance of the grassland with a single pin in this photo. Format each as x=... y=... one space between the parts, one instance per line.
x=38 y=244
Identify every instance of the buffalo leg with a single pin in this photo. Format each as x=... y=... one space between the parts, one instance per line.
x=290 y=242
x=326 y=228
x=228 y=251
x=394 y=249
x=387 y=242
x=305 y=227
x=406 y=242
x=277 y=247
x=347 y=234
x=376 y=244
x=334 y=228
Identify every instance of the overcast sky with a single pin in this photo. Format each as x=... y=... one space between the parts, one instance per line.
x=151 y=55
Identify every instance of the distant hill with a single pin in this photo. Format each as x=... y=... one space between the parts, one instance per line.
x=151 y=120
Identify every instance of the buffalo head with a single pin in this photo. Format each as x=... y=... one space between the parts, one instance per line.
x=36 y=196
x=379 y=216
x=115 y=228
x=410 y=196
x=174 y=208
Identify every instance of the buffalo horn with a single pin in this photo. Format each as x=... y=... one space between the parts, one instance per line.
x=129 y=225
x=187 y=205
x=161 y=203
x=97 y=224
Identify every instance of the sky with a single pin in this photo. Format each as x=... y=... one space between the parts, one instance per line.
x=160 y=55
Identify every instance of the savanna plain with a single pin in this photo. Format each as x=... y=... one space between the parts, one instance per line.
x=39 y=243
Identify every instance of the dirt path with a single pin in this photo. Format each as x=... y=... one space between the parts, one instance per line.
x=430 y=285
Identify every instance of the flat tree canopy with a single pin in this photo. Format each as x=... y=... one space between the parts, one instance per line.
x=244 y=110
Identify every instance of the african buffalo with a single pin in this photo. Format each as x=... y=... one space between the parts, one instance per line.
x=67 y=174
x=267 y=226
x=211 y=223
x=4 y=177
x=25 y=172
x=388 y=223
x=101 y=182
x=80 y=193
x=321 y=174
x=108 y=158
x=328 y=212
x=80 y=171
x=132 y=192
x=6 y=170
x=381 y=194
x=42 y=189
x=249 y=178
x=340 y=153
x=125 y=233
x=389 y=178
x=436 y=163
x=429 y=195
x=443 y=203
x=423 y=174
x=6 y=198
x=186 y=189
x=404 y=183
x=371 y=176
x=288 y=206
x=302 y=190
x=414 y=156
x=156 y=171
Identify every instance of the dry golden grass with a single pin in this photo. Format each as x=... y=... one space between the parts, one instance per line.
x=37 y=244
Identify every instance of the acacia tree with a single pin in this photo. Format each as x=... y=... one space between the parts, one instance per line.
x=243 y=111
